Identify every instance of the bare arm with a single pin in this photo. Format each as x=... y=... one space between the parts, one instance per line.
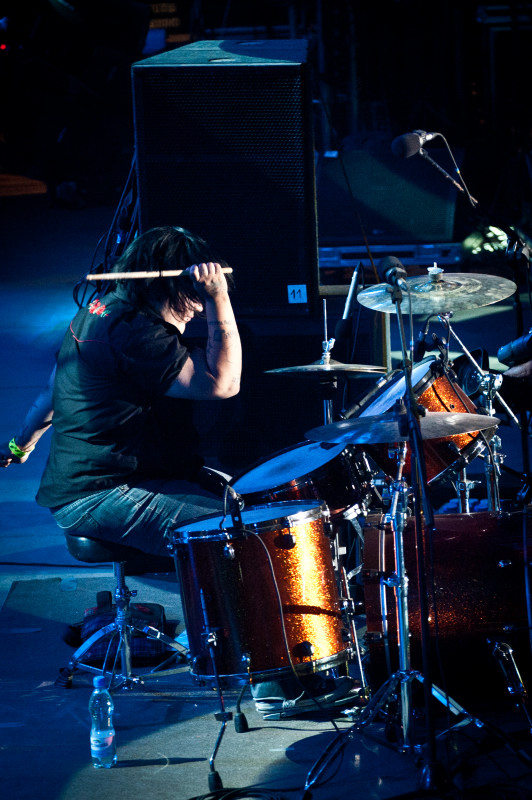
x=520 y=371
x=215 y=372
x=36 y=423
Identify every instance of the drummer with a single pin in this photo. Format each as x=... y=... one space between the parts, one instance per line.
x=124 y=463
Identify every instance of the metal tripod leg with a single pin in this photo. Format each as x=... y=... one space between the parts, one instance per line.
x=390 y=691
x=123 y=627
x=223 y=716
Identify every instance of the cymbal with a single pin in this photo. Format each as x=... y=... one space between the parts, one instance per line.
x=334 y=367
x=435 y=293
x=385 y=428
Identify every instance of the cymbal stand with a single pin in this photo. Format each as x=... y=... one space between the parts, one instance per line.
x=327 y=346
x=399 y=582
x=432 y=777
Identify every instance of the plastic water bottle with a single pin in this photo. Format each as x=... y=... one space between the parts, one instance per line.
x=101 y=706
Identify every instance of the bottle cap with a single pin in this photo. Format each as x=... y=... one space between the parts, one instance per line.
x=100 y=682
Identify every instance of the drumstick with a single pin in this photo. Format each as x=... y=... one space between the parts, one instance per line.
x=117 y=276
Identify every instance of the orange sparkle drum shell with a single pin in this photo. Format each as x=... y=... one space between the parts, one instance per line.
x=435 y=390
x=479 y=596
x=255 y=628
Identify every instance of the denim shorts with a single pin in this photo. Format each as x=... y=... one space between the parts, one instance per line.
x=143 y=515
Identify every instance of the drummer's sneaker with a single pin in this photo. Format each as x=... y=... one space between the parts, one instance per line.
x=334 y=693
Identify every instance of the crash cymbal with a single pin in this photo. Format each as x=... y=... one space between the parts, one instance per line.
x=438 y=292
x=385 y=428
x=321 y=367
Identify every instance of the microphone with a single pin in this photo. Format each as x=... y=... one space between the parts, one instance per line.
x=420 y=347
x=343 y=326
x=390 y=270
x=409 y=144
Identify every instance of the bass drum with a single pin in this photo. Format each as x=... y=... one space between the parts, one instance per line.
x=268 y=591
x=479 y=598
x=436 y=389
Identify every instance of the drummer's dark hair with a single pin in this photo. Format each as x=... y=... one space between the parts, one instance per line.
x=163 y=248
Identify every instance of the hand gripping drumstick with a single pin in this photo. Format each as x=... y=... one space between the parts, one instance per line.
x=117 y=276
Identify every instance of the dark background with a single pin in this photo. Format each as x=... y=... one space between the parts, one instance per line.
x=378 y=70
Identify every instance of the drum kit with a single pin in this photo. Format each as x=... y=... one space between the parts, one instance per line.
x=264 y=591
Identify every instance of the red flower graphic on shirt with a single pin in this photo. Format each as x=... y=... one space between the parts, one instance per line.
x=99 y=308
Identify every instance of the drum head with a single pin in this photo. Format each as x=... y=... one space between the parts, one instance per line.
x=258 y=519
x=286 y=466
x=395 y=391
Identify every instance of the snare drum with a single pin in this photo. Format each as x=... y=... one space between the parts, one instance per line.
x=436 y=390
x=268 y=591
x=335 y=474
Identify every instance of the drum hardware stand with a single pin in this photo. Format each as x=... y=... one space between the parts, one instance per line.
x=223 y=716
x=349 y=608
x=433 y=776
x=463 y=489
x=399 y=582
x=504 y=657
x=488 y=384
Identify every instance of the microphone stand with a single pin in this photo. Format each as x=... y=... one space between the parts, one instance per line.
x=423 y=153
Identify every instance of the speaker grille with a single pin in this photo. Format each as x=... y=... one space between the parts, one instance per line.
x=226 y=150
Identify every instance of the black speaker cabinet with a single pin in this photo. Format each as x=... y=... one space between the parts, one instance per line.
x=224 y=147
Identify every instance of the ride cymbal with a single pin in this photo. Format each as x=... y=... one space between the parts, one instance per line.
x=386 y=428
x=438 y=292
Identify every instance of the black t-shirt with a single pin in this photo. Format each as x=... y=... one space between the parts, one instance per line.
x=112 y=423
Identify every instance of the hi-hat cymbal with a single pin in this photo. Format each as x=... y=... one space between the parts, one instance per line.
x=385 y=428
x=435 y=293
x=333 y=367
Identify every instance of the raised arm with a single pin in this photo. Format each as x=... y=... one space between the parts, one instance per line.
x=36 y=423
x=215 y=372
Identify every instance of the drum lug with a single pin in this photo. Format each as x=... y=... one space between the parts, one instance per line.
x=210 y=638
x=328 y=529
x=303 y=650
x=229 y=551
x=393 y=580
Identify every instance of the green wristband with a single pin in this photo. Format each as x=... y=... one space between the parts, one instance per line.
x=15 y=449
